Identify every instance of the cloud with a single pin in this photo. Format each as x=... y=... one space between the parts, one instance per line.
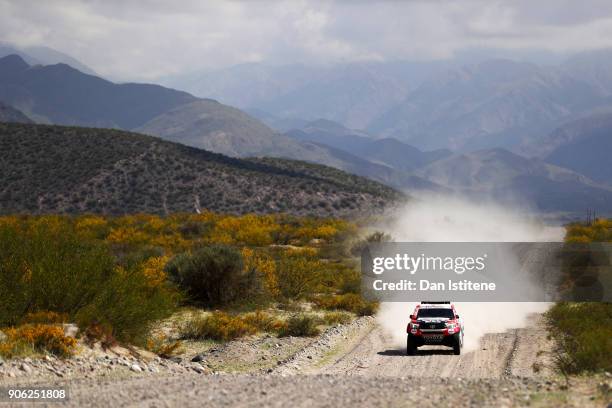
x=147 y=39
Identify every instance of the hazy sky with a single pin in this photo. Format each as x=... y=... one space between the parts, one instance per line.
x=151 y=38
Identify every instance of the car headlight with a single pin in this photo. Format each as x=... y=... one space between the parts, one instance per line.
x=414 y=327
x=451 y=326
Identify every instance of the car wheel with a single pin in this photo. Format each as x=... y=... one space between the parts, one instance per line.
x=410 y=348
x=457 y=347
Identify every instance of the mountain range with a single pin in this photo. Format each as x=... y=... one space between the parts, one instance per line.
x=352 y=94
x=496 y=173
x=60 y=94
x=583 y=145
x=387 y=151
x=547 y=173
x=43 y=56
x=430 y=105
x=497 y=103
x=507 y=177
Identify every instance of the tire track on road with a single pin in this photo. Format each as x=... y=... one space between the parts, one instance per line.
x=375 y=354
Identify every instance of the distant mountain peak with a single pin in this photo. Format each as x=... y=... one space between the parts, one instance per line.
x=14 y=62
x=93 y=101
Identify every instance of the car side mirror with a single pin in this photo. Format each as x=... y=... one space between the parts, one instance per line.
x=456 y=316
x=411 y=317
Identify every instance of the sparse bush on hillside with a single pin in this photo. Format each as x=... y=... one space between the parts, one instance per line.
x=52 y=168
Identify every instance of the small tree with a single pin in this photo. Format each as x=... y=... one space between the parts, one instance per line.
x=297 y=276
x=211 y=275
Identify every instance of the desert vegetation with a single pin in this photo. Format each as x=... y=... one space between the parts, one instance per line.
x=71 y=170
x=583 y=329
x=117 y=278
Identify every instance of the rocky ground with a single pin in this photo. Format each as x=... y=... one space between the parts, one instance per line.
x=254 y=354
x=350 y=364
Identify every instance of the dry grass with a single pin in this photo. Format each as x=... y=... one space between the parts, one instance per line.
x=337 y=317
x=350 y=302
x=163 y=346
x=33 y=338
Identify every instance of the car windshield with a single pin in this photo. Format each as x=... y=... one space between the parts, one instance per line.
x=428 y=313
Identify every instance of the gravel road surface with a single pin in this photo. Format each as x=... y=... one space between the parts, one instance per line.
x=354 y=365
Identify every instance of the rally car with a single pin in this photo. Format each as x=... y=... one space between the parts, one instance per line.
x=434 y=323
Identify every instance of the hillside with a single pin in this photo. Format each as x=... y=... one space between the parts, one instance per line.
x=172 y=115
x=10 y=114
x=506 y=176
x=71 y=170
x=210 y=125
x=60 y=94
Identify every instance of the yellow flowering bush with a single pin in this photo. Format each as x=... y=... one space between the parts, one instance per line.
x=41 y=338
x=265 y=268
x=153 y=270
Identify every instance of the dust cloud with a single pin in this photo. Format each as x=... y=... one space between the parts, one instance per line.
x=452 y=219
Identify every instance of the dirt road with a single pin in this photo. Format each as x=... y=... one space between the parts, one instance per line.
x=357 y=367
x=513 y=353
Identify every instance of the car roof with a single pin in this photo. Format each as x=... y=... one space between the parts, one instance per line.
x=436 y=306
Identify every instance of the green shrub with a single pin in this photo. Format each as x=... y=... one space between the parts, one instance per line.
x=129 y=305
x=300 y=326
x=46 y=266
x=218 y=326
x=211 y=276
x=333 y=318
x=298 y=275
x=584 y=335
x=223 y=326
x=264 y=322
x=45 y=317
x=583 y=330
x=350 y=302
